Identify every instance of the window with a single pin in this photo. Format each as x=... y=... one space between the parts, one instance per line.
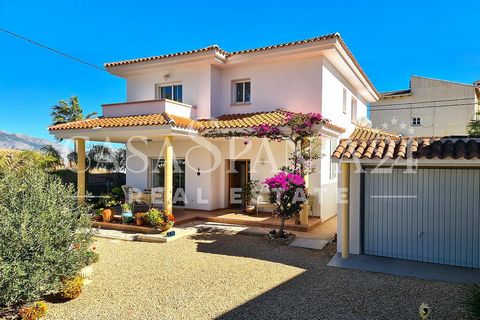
x=354 y=110
x=241 y=92
x=344 y=106
x=171 y=91
x=158 y=178
x=416 y=121
x=333 y=165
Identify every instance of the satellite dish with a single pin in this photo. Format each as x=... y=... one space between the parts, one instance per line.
x=364 y=122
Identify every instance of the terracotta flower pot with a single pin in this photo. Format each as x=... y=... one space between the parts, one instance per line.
x=250 y=209
x=107 y=215
x=140 y=221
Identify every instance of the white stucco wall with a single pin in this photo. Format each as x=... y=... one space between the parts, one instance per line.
x=333 y=84
x=195 y=81
x=265 y=157
x=290 y=84
x=438 y=117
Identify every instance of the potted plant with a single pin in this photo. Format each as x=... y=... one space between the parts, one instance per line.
x=108 y=212
x=97 y=215
x=127 y=215
x=161 y=220
x=140 y=218
x=250 y=191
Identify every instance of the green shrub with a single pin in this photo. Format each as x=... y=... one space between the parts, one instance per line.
x=472 y=300
x=44 y=235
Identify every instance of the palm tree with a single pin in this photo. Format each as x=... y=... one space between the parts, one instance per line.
x=53 y=153
x=473 y=127
x=100 y=157
x=68 y=111
x=120 y=159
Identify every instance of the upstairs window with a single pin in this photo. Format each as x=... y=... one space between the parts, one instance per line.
x=354 y=110
x=171 y=92
x=241 y=92
x=416 y=121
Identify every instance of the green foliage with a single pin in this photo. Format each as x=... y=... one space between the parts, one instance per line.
x=68 y=111
x=20 y=160
x=152 y=216
x=473 y=127
x=91 y=258
x=44 y=235
x=126 y=207
x=53 y=154
x=250 y=190
x=471 y=300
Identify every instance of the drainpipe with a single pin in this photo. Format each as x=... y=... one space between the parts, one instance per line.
x=345 y=210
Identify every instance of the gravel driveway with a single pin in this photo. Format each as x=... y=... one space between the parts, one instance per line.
x=219 y=276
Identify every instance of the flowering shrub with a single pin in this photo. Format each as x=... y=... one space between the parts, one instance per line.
x=157 y=218
x=72 y=288
x=287 y=191
x=34 y=311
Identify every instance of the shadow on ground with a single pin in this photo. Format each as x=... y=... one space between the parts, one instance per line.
x=323 y=292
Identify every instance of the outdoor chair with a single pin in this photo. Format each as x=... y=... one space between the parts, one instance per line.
x=263 y=201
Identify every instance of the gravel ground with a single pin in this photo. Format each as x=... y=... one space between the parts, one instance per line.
x=219 y=276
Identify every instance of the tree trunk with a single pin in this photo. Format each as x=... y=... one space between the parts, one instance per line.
x=282 y=226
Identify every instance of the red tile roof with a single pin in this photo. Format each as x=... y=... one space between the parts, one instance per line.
x=130 y=121
x=387 y=145
x=228 y=121
x=216 y=48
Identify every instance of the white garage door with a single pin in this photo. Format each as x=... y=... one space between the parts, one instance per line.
x=432 y=215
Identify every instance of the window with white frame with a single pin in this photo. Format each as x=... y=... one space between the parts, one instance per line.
x=344 y=105
x=171 y=92
x=353 y=110
x=333 y=165
x=241 y=91
x=416 y=121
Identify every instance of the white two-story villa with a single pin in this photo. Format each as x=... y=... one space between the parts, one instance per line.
x=173 y=99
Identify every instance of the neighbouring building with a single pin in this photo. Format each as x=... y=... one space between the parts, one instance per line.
x=173 y=99
x=429 y=107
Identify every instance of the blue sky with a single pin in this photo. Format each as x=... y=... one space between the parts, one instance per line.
x=391 y=41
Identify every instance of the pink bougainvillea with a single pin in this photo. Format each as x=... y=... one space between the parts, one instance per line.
x=285 y=181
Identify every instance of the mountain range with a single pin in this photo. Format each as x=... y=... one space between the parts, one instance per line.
x=18 y=141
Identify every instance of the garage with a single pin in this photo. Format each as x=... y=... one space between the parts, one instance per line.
x=409 y=199
x=426 y=214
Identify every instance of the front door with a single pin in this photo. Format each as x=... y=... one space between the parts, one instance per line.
x=238 y=176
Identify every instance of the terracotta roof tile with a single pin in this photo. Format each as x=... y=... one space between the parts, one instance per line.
x=364 y=133
x=409 y=147
x=130 y=121
x=227 y=54
x=214 y=48
x=228 y=121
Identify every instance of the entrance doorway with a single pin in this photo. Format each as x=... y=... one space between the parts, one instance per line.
x=238 y=175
